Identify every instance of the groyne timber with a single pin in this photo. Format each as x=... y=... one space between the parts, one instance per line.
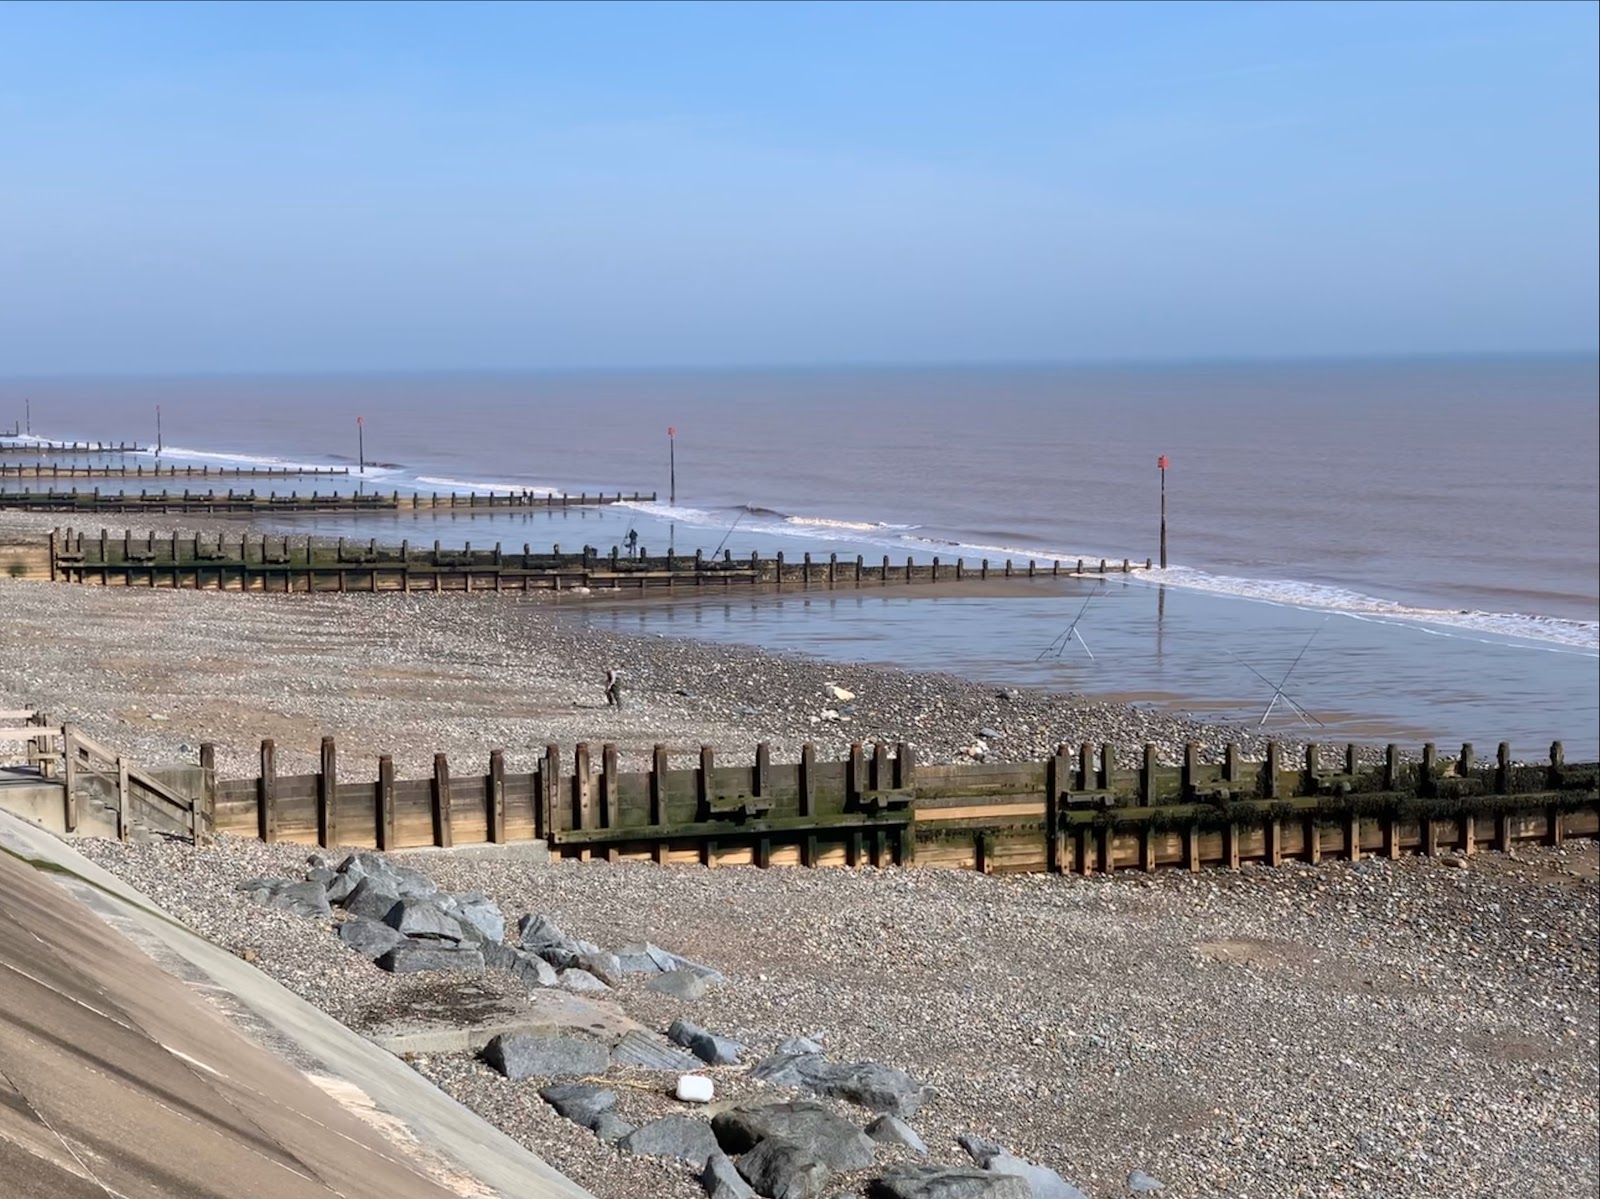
x=53 y=470
x=251 y=503
x=284 y=564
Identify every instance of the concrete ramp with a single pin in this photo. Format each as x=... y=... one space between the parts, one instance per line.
x=119 y=1078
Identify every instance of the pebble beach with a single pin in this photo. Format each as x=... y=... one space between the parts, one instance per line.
x=1414 y=1028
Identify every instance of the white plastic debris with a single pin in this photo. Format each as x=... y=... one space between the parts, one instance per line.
x=695 y=1088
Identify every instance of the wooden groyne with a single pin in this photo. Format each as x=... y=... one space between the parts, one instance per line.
x=266 y=563
x=51 y=470
x=43 y=448
x=1080 y=811
x=250 y=503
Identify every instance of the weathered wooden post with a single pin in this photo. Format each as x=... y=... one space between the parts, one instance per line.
x=1191 y=769
x=905 y=779
x=267 y=793
x=549 y=781
x=1555 y=776
x=1054 y=834
x=327 y=796
x=1502 y=786
x=1273 y=768
x=443 y=834
x=496 y=798
x=383 y=814
x=808 y=780
x=705 y=791
x=205 y=825
x=1147 y=777
x=582 y=791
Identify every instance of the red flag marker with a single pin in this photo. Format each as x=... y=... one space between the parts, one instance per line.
x=671 y=432
x=1162 y=462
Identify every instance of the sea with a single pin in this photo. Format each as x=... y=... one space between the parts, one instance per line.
x=1368 y=550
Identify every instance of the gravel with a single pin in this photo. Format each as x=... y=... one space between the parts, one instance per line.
x=157 y=672
x=1412 y=1028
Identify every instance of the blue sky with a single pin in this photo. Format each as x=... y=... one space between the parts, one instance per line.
x=410 y=186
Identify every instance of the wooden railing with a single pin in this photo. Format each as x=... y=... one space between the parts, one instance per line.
x=84 y=755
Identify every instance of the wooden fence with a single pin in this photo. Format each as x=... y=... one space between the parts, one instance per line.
x=43 y=448
x=1078 y=812
x=266 y=563
x=53 y=470
x=250 y=503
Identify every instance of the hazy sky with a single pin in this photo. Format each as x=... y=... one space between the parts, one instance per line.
x=303 y=186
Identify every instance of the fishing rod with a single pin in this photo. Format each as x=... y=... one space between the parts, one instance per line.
x=1277 y=689
x=1065 y=639
x=742 y=513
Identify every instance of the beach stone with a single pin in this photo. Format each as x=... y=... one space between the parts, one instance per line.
x=823 y=1136
x=423 y=918
x=680 y=984
x=942 y=1182
x=1043 y=1182
x=368 y=898
x=799 y=1045
x=977 y=1148
x=646 y=1050
x=668 y=961
x=873 y=1086
x=636 y=959
x=339 y=887
x=1141 y=1183
x=722 y=1180
x=400 y=881
x=708 y=1047
x=696 y=1088
x=478 y=915
x=609 y=1126
x=784 y=1170
x=673 y=1136
x=892 y=1130
x=413 y=957
x=603 y=966
x=322 y=876
x=580 y=1102
x=534 y=972
x=303 y=899
x=520 y=1055
x=370 y=937
x=579 y=980
x=539 y=930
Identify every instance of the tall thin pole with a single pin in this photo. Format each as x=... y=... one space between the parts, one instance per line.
x=28 y=411
x=672 y=465
x=361 y=449
x=158 y=430
x=1162 y=463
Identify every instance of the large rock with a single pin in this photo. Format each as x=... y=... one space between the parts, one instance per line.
x=673 y=1136
x=647 y=1051
x=892 y=1130
x=836 y=1143
x=638 y=959
x=478 y=915
x=784 y=1170
x=611 y=1127
x=880 y=1088
x=722 y=1180
x=369 y=937
x=579 y=980
x=424 y=918
x=680 y=984
x=1042 y=1182
x=339 y=887
x=667 y=960
x=708 y=1047
x=1140 y=1183
x=603 y=966
x=303 y=899
x=941 y=1182
x=412 y=957
x=520 y=1055
x=580 y=1102
x=369 y=898
x=534 y=972
x=400 y=881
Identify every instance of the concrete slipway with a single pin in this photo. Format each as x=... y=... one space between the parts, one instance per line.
x=137 y=1059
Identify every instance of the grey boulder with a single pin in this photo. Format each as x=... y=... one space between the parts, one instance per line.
x=1041 y=1181
x=666 y=960
x=708 y=1047
x=1141 y=1183
x=637 y=959
x=368 y=898
x=532 y=971
x=680 y=984
x=673 y=1136
x=799 y=1045
x=400 y=881
x=892 y=1130
x=649 y=1052
x=784 y=1170
x=520 y=1055
x=579 y=980
x=611 y=1127
x=835 y=1143
x=424 y=918
x=879 y=1088
x=413 y=957
x=941 y=1182
x=722 y=1180
x=580 y=1102
x=369 y=937
x=478 y=915
x=303 y=899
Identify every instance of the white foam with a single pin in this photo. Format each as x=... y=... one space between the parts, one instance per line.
x=173 y=451
x=471 y=485
x=861 y=526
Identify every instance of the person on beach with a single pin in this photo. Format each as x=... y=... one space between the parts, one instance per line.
x=614 y=688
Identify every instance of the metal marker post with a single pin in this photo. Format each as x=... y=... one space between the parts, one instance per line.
x=361 y=450
x=672 y=464
x=1161 y=463
x=158 y=430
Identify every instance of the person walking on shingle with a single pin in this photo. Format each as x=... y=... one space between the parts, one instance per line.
x=614 y=688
